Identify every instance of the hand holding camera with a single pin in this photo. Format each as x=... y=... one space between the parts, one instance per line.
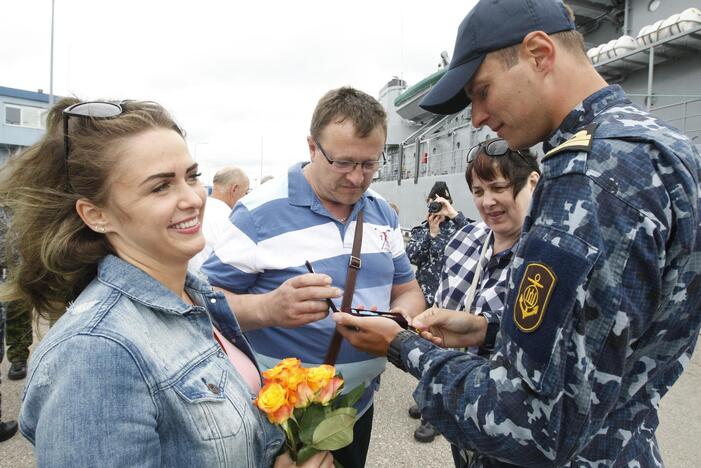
x=442 y=206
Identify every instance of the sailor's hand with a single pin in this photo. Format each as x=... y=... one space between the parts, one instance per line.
x=434 y=224
x=370 y=334
x=300 y=300
x=450 y=328
x=447 y=210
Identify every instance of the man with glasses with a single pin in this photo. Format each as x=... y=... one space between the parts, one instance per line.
x=229 y=185
x=311 y=214
x=602 y=311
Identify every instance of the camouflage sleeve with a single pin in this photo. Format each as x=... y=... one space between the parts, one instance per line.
x=576 y=301
x=460 y=220
x=417 y=248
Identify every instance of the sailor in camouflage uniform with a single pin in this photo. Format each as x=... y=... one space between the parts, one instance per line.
x=604 y=302
x=425 y=248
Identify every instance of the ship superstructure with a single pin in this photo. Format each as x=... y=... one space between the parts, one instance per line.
x=652 y=48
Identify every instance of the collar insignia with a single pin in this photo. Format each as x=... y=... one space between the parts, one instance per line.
x=533 y=296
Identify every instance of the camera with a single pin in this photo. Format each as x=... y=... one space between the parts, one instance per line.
x=435 y=207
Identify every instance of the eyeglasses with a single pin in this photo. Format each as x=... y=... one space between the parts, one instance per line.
x=396 y=316
x=92 y=110
x=349 y=166
x=494 y=147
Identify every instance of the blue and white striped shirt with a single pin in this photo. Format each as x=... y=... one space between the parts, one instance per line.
x=273 y=231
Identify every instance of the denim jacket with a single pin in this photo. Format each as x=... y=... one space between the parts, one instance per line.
x=131 y=376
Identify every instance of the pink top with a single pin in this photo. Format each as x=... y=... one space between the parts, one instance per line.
x=241 y=362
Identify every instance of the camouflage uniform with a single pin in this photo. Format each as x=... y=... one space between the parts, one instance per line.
x=426 y=253
x=18 y=319
x=3 y=274
x=603 y=309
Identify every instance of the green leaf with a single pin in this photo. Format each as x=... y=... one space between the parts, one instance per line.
x=336 y=431
x=311 y=418
x=305 y=453
x=350 y=398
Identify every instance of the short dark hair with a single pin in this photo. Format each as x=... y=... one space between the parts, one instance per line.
x=514 y=167
x=363 y=110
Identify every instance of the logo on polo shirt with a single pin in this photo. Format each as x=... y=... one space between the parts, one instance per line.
x=383 y=236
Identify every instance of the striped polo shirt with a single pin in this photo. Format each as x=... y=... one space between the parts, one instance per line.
x=273 y=231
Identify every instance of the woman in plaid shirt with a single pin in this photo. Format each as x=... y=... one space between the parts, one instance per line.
x=478 y=256
x=502 y=183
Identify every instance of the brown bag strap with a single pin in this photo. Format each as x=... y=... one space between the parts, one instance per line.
x=349 y=288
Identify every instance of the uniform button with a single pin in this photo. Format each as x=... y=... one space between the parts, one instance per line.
x=213 y=301
x=213 y=388
x=220 y=354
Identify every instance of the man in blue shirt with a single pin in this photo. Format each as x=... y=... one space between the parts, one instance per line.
x=311 y=215
x=603 y=308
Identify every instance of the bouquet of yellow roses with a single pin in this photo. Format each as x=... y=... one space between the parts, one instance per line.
x=307 y=404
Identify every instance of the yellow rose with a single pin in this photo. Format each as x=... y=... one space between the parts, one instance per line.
x=272 y=400
x=319 y=377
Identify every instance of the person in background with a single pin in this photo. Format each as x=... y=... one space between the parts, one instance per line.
x=428 y=240
x=7 y=428
x=147 y=364
x=18 y=325
x=229 y=185
x=395 y=207
x=19 y=337
x=311 y=215
x=602 y=312
x=425 y=250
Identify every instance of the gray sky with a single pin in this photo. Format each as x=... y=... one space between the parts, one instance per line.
x=242 y=78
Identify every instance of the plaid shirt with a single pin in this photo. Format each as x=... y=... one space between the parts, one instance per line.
x=462 y=255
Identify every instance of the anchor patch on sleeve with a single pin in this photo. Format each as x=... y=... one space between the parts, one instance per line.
x=534 y=293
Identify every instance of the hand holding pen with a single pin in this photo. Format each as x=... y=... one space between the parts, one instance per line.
x=298 y=301
x=361 y=312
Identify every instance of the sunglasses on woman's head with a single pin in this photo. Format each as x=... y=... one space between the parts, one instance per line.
x=495 y=147
x=91 y=110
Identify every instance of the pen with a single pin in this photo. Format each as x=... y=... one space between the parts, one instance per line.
x=332 y=306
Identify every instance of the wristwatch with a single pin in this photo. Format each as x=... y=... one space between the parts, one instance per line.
x=394 y=352
x=487 y=347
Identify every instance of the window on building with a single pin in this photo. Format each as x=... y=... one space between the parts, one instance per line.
x=25 y=116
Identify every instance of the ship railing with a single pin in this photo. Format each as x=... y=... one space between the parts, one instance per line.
x=686 y=116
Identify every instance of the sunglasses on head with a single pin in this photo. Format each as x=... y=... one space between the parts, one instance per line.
x=495 y=147
x=91 y=110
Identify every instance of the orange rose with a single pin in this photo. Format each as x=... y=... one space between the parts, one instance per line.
x=329 y=392
x=319 y=377
x=272 y=400
x=282 y=369
x=304 y=396
x=296 y=377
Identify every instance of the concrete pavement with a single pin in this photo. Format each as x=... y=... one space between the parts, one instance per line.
x=393 y=444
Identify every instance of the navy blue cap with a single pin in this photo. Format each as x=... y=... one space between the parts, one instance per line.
x=490 y=26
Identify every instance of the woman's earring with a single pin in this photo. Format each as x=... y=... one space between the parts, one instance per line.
x=100 y=228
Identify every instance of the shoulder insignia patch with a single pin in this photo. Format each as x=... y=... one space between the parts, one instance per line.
x=534 y=293
x=580 y=141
